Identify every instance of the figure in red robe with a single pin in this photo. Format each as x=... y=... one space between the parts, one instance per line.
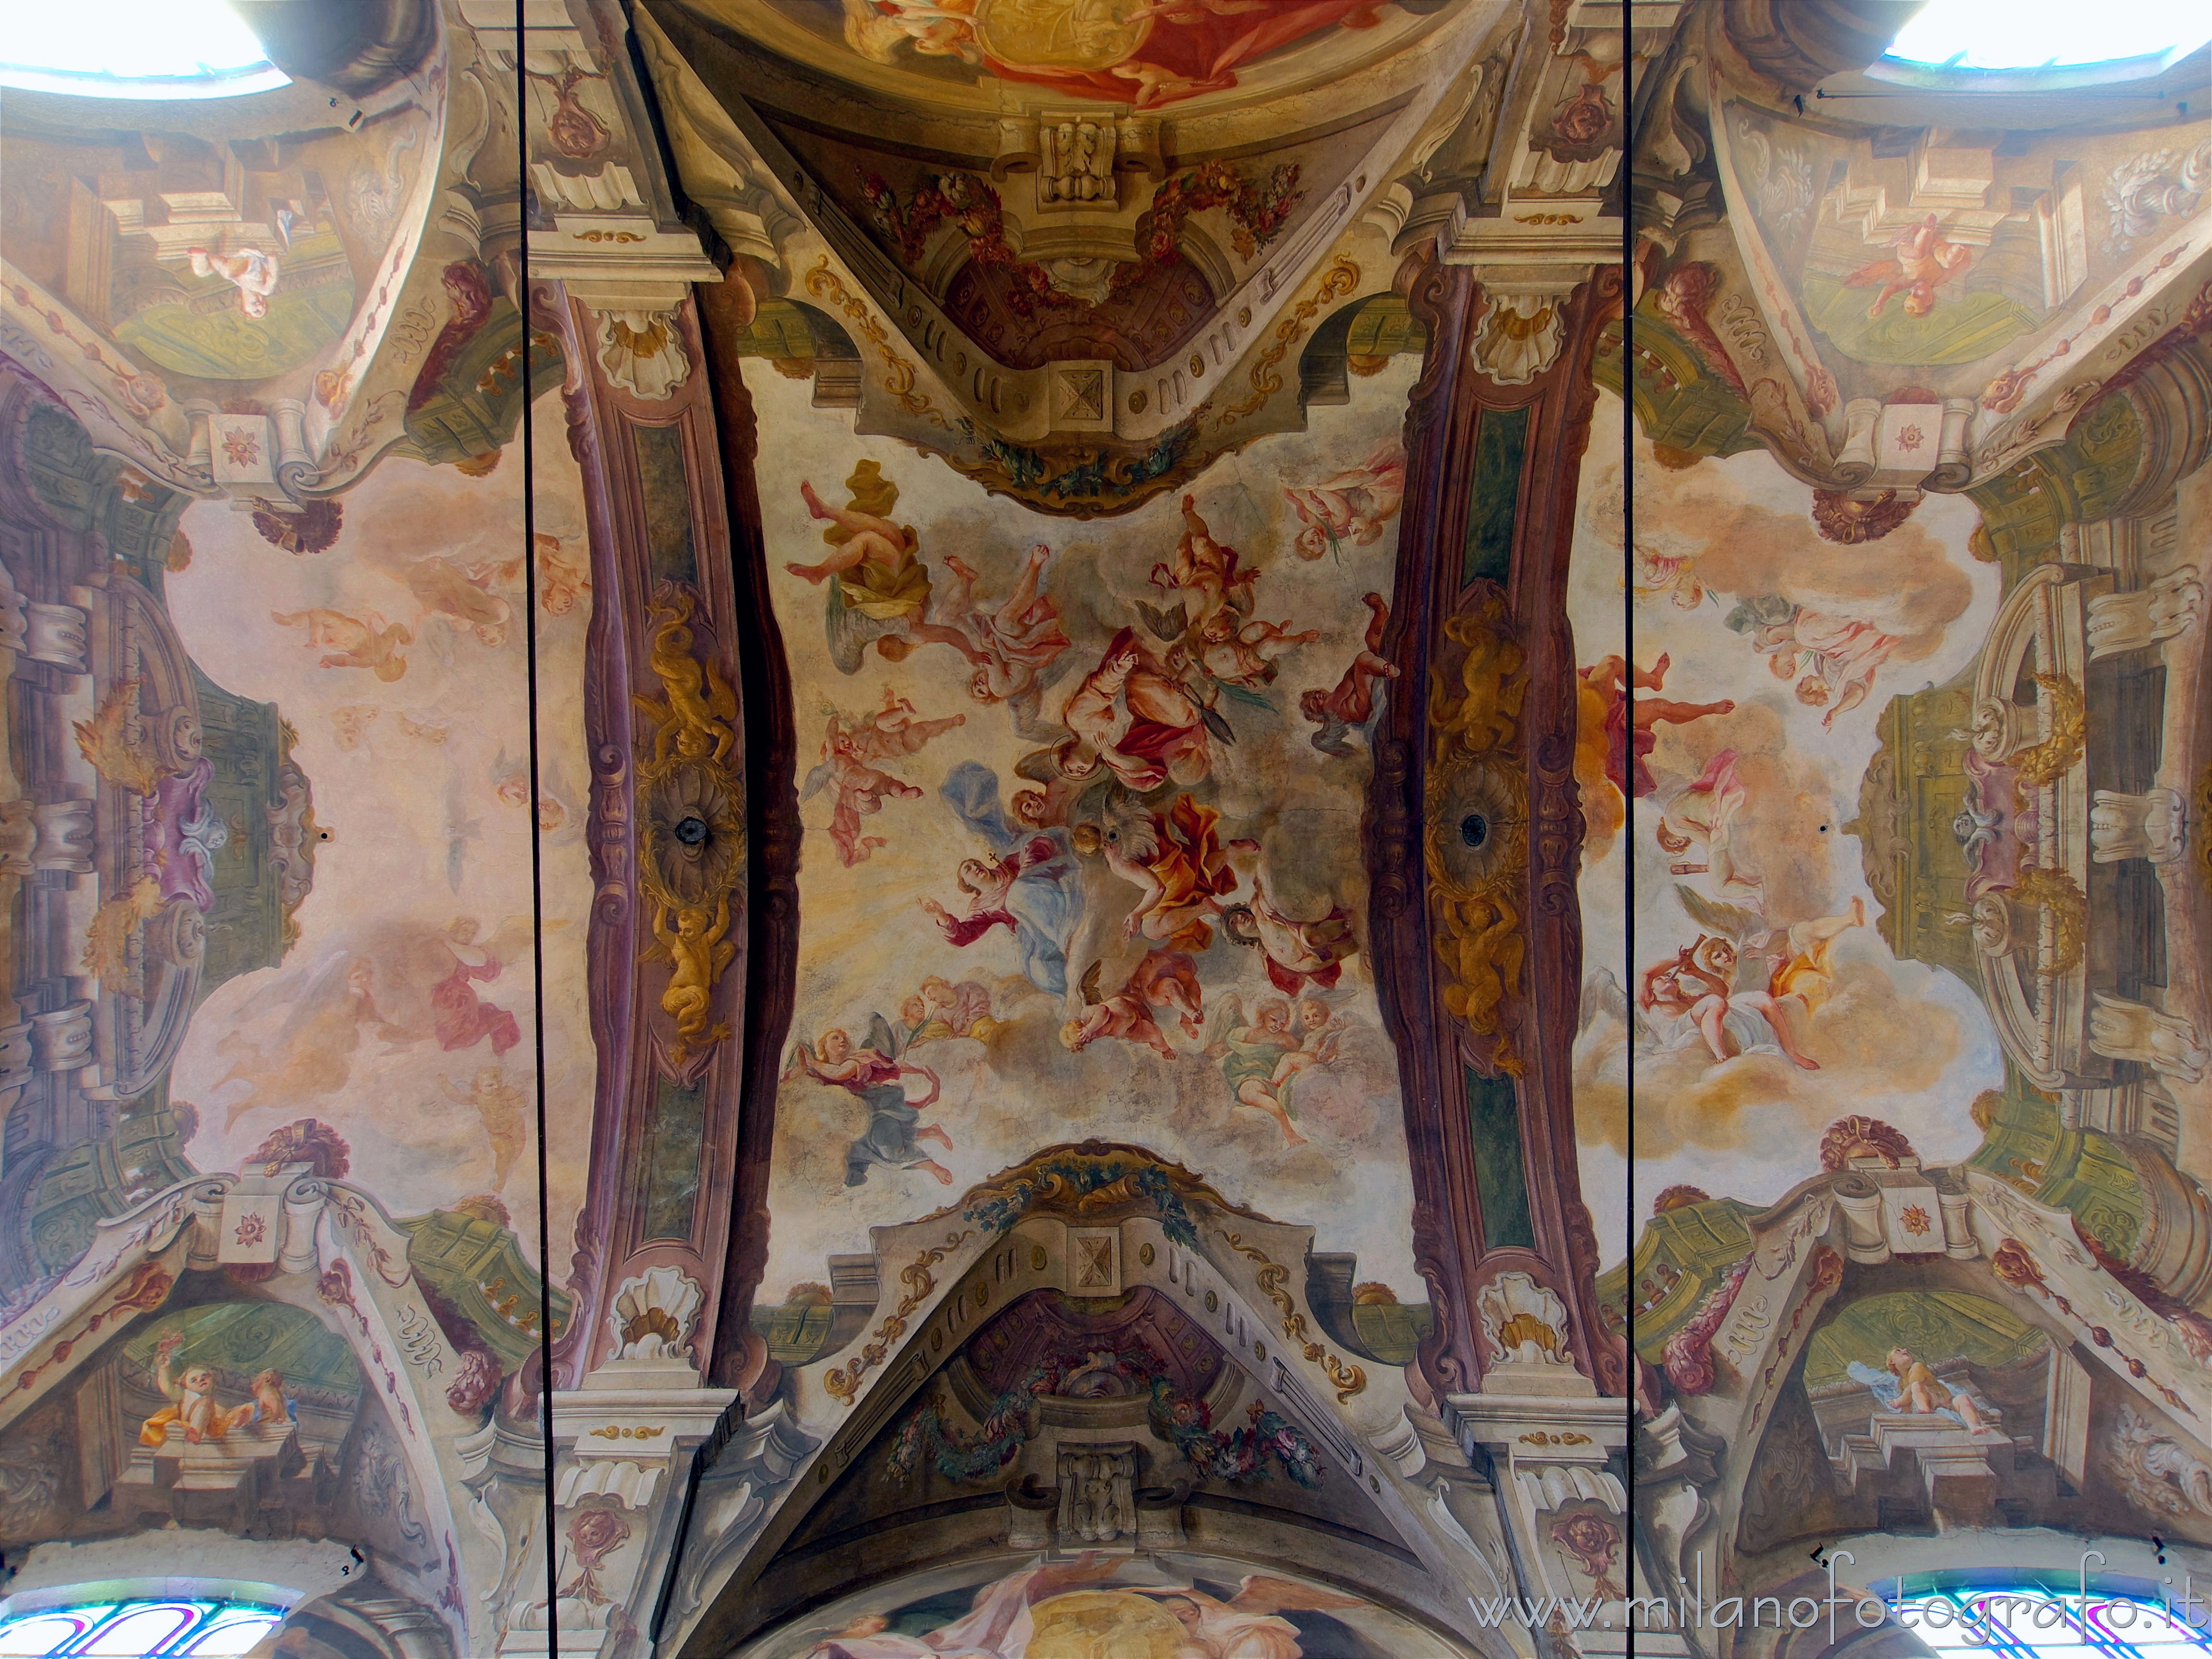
x=1629 y=719
x=461 y=1021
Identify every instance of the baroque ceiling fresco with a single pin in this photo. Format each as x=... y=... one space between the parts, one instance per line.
x=860 y=830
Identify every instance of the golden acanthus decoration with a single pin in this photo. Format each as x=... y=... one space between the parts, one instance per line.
x=1273 y=1276
x=1475 y=831
x=1338 y=280
x=2042 y=889
x=691 y=834
x=2043 y=763
x=900 y=376
x=2203 y=819
x=843 y=1382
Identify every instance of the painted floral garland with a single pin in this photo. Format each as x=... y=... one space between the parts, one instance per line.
x=1076 y=1175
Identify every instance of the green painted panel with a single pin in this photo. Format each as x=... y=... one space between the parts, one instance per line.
x=238 y=1339
x=1493 y=1106
x=1937 y=1326
x=1962 y=330
x=795 y=1336
x=1501 y=444
x=671 y=1161
x=667 y=491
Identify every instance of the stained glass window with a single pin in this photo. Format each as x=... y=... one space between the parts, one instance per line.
x=138 y=1629
x=2037 y=1622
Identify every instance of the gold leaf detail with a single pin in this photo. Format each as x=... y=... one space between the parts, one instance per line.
x=1338 y=280
x=900 y=375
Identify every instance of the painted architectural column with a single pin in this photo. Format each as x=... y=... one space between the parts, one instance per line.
x=738 y=1358
x=1473 y=833
x=667 y=826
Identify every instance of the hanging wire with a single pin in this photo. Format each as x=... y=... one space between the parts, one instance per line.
x=537 y=847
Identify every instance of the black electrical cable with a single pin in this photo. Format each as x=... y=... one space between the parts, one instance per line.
x=536 y=843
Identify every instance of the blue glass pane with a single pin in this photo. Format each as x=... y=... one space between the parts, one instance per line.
x=2029 y=1622
x=1989 y=35
x=147 y=1628
x=39 y=1634
x=232 y=1634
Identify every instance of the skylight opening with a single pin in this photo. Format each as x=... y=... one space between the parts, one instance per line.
x=134 y=49
x=2029 y=34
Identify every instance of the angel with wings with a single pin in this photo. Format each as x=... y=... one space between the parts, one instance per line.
x=1259 y=1059
x=1134 y=717
x=879 y=588
x=1350 y=706
x=501 y=1105
x=1235 y=653
x=1207 y=573
x=405 y=982
x=875 y=1075
x=848 y=746
x=1715 y=986
x=1631 y=722
x=1350 y=506
x=1018 y=648
x=1030 y=884
x=1924 y=260
x=352 y=641
x=1666 y=563
x=1294 y=951
x=1704 y=814
x=250 y=271
x=1175 y=858
x=460 y=1019
x=1908 y=1386
x=327 y=1010
x=1165 y=979
x=464 y=597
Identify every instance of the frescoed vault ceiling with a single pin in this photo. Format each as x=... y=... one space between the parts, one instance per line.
x=856 y=830
x=1913 y=1017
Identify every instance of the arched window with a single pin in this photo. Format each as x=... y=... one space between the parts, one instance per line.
x=2050 y=1621
x=134 y=49
x=139 y=1628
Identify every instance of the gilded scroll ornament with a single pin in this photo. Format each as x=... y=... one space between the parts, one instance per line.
x=843 y=1382
x=1273 y=1276
x=1338 y=280
x=691 y=825
x=900 y=376
x=1475 y=829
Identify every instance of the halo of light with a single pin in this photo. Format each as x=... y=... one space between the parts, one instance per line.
x=2017 y=35
x=134 y=49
